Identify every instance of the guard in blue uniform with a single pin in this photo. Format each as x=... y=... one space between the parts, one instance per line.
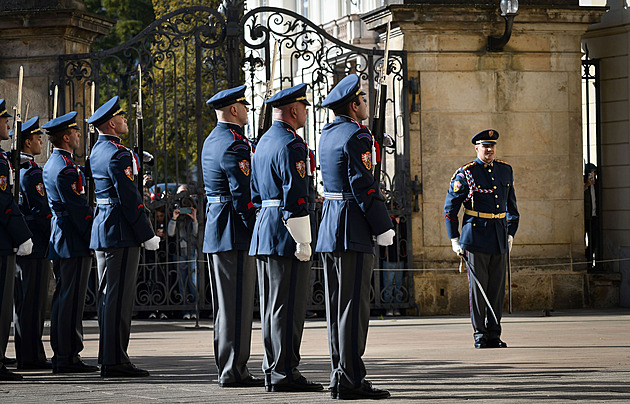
x=354 y=213
x=230 y=217
x=281 y=239
x=69 y=246
x=32 y=274
x=14 y=235
x=120 y=228
x=485 y=187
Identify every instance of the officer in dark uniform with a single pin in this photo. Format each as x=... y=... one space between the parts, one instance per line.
x=354 y=213
x=14 y=234
x=69 y=246
x=281 y=239
x=33 y=271
x=485 y=187
x=120 y=228
x=230 y=217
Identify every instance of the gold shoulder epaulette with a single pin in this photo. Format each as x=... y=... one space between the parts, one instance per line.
x=502 y=162
x=465 y=166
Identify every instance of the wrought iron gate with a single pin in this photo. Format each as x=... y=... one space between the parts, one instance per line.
x=190 y=54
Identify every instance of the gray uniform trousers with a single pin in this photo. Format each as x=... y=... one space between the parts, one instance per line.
x=348 y=277
x=7 y=279
x=32 y=277
x=283 y=284
x=233 y=285
x=117 y=272
x=66 y=315
x=490 y=271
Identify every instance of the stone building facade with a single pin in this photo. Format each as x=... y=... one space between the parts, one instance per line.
x=531 y=93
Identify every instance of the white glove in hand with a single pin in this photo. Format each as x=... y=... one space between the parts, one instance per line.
x=25 y=248
x=303 y=251
x=152 y=244
x=386 y=238
x=510 y=240
x=456 y=247
x=147 y=157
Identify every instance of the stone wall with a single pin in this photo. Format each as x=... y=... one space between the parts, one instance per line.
x=609 y=42
x=34 y=36
x=531 y=94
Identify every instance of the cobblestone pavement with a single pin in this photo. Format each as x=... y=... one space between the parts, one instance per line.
x=581 y=355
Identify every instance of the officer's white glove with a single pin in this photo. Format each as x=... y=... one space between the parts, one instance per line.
x=303 y=251
x=25 y=248
x=147 y=157
x=456 y=247
x=386 y=238
x=300 y=229
x=510 y=240
x=152 y=244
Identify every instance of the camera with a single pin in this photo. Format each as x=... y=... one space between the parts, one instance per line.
x=185 y=210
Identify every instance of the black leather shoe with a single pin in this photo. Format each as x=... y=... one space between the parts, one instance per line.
x=481 y=343
x=496 y=343
x=365 y=391
x=79 y=367
x=7 y=375
x=123 y=370
x=333 y=392
x=300 y=384
x=35 y=365
x=249 y=381
x=9 y=361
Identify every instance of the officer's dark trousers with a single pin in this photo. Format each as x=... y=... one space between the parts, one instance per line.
x=347 y=276
x=7 y=279
x=66 y=326
x=490 y=271
x=117 y=272
x=32 y=276
x=233 y=285
x=283 y=285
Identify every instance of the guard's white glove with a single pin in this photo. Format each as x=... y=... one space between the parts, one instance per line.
x=299 y=228
x=456 y=247
x=152 y=244
x=386 y=238
x=147 y=157
x=303 y=251
x=25 y=248
x=510 y=240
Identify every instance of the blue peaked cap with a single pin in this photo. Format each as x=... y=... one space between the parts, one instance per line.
x=344 y=92
x=30 y=127
x=488 y=136
x=106 y=112
x=3 y=109
x=289 y=96
x=228 y=97
x=62 y=122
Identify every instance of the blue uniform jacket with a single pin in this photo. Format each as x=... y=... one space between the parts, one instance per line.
x=34 y=206
x=345 y=159
x=121 y=222
x=226 y=165
x=485 y=188
x=13 y=228
x=72 y=216
x=278 y=173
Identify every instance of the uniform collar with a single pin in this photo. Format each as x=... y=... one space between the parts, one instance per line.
x=230 y=125
x=26 y=155
x=283 y=124
x=345 y=118
x=112 y=138
x=63 y=152
x=484 y=164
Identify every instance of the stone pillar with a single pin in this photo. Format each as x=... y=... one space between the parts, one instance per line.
x=531 y=94
x=609 y=42
x=33 y=33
